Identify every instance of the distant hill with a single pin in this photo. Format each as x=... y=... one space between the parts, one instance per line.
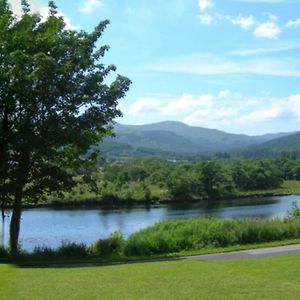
x=290 y=143
x=171 y=139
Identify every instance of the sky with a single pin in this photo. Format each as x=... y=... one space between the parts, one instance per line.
x=232 y=65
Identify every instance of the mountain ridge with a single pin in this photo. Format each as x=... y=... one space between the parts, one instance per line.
x=179 y=138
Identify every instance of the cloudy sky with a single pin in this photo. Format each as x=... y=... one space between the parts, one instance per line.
x=232 y=65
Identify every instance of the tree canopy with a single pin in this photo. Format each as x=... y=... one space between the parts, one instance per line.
x=55 y=101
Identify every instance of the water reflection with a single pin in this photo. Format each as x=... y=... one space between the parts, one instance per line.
x=50 y=227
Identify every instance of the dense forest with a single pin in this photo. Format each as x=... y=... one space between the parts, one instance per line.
x=149 y=180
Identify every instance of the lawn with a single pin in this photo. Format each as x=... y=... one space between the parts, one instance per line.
x=272 y=278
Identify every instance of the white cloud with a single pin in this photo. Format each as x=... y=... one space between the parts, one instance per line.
x=271 y=16
x=244 y=22
x=264 y=50
x=203 y=109
x=293 y=23
x=42 y=10
x=224 y=94
x=144 y=105
x=268 y=30
x=186 y=104
x=90 y=5
x=213 y=117
x=209 y=64
x=205 y=4
x=205 y=19
x=17 y=8
x=294 y=105
x=263 y=1
x=225 y=108
x=259 y=116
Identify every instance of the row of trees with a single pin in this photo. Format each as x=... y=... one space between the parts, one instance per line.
x=152 y=179
x=204 y=179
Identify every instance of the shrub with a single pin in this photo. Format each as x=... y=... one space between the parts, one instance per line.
x=294 y=212
x=41 y=253
x=111 y=245
x=72 y=250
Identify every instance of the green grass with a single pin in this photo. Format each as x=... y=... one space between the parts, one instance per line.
x=291 y=187
x=272 y=278
x=195 y=234
x=116 y=259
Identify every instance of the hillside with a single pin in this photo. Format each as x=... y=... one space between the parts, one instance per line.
x=173 y=139
x=274 y=147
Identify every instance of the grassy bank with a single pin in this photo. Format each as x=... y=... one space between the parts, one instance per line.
x=195 y=234
x=291 y=187
x=173 y=238
x=275 y=278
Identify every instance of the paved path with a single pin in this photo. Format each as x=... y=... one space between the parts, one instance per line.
x=248 y=254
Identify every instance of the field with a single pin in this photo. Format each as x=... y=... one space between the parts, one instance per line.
x=273 y=278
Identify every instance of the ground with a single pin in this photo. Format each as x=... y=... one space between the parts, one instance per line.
x=268 y=278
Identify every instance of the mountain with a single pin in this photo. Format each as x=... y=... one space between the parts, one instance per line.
x=170 y=138
x=290 y=143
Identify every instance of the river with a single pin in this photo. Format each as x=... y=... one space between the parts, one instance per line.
x=50 y=227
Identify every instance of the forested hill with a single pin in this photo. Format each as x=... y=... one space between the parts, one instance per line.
x=172 y=139
x=274 y=147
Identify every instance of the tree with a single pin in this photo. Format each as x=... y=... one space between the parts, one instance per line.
x=54 y=104
x=217 y=180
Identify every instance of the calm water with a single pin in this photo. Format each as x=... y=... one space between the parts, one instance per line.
x=50 y=227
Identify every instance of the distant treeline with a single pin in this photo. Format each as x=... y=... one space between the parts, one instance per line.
x=155 y=180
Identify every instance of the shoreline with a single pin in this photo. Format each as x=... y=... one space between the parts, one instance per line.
x=130 y=204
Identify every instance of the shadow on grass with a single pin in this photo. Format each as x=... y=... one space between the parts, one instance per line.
x=87 y=262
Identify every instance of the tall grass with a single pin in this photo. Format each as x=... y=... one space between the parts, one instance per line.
x=177 y=235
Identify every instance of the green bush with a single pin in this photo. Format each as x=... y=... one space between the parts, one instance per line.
x=294 y=212
x=72 y=250
x=111 y=245
x=41 y=253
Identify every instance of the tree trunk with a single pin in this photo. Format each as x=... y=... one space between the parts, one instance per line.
x=15 y=223
x=3 y=225
x=3 y=210
x=3 y=234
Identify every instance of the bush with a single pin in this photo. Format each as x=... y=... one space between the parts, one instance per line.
x=111 y=245
x=294 y=212
x=178 y=235
x=43 y=253
x=72 y=250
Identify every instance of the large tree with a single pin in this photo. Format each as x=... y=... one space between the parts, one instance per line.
x=55 y=101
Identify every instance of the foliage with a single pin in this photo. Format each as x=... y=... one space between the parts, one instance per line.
x=294 y=212
x=152 y=180
x=178 y=235
x=3 y=253
x=112 y=245
x=170 y=237
x=54 y=104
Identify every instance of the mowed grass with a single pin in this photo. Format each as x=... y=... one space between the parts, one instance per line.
x=272 y=278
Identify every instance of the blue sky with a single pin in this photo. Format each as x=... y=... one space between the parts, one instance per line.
x=232 y=65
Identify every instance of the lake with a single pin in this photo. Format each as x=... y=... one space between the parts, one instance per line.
x=50 y=227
